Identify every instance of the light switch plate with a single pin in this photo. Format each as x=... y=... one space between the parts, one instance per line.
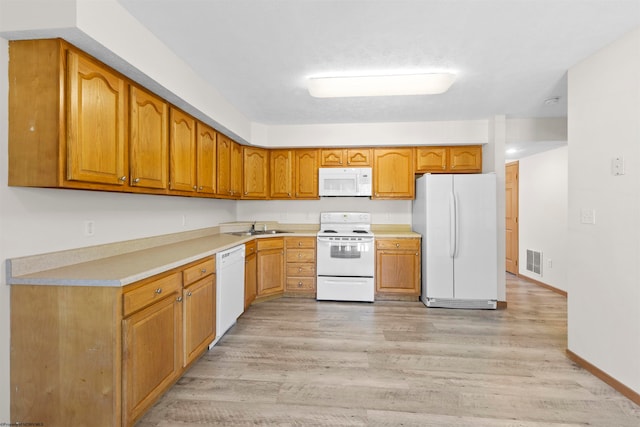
x=587 y=216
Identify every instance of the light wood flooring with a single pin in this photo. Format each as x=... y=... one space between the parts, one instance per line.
x=295 y=362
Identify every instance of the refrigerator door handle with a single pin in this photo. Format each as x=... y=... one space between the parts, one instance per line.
x=452 y=225
x=456 y=226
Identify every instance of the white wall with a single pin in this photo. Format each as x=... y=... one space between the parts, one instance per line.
x=604 y=258
x=543 y=214
x=308 y=211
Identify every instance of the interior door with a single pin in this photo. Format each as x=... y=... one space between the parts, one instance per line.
x=511 y=217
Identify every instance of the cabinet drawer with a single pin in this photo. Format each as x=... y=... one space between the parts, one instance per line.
x=198 y=271
x=149 y=293
x=300 y=242
x=301 y=269
x=301 y=284
x=250 y=248
x=263 y=244
x=301 y=255
x=411 y=244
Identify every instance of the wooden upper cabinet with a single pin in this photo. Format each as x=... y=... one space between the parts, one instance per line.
x=256 y=173
x=465 y=158
x=306 y=174
x=393 y=176
x=281 y=168
x=345 y=157
x=95 y=122
x=182 y=152
x=206 y=147
x=224 y=166
x=148 y=140
x=431 y=159
x=450 y=159
x=236 y=170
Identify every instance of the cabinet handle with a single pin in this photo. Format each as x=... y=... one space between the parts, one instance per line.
x=204 y=270
x=416 y=253
x=189 y=294
x=179 y=299
x=137 y=180
x=397 y=245
x=299 y=284
x=123 y=178
x=195 y=187
x=159 y=291
x=200 y=188
x=246 y=193
x=299 y=255
x=299 y=243
x=289 y=194
x=299 y=269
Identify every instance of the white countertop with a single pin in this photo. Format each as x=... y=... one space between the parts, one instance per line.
x=129 y=266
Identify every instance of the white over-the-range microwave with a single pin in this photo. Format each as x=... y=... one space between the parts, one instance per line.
x=344 y=182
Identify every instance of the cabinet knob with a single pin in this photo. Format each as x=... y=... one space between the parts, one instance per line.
x=159 y=291
x=189 y=294
x=179 y=299
x=299 y=269
x=417 y=254
x=200 y=188
x=195 y=187
x=123 y=178
x=204 y=270
x=289 y=194
x=299 y=255
x=137 y=180
x=299 y=243
x=299 y=284
x=246 y=192
x=397 y=245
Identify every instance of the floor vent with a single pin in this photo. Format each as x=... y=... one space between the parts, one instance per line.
x=534 y=261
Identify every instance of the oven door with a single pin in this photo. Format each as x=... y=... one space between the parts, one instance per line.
x=345 y=256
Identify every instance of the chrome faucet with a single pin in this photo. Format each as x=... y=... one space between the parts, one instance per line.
x=253 y=227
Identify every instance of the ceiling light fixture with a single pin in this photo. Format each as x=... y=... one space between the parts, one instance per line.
x=511 y=150
x=390 y=85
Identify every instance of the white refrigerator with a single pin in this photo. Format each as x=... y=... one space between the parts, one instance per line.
x=456 y=216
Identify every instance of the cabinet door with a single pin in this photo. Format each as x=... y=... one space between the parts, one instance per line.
x=256 y=173
x=152 y=354
x=465 y=159
x=224 y=166
x=393 y=176
x=306 y=174
x=95 y=123
x=199 y=317
x=250 y=279
x=270 y=270
x=182 y=152
x=206 y=147
x=357 y=157
x=331 y=157
x=148 y=140
x=236 y=169
x=398 y=266
x=431 y=159
x=281 y=168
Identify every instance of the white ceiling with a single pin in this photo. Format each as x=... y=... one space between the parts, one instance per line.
x=510 y=55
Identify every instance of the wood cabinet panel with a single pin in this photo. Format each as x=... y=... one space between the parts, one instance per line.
x=465 y=159
x=250 y=276
x=451 y=159
x=182 y=152
x=199 y=317
x=431 y=159
x=152 y=339
x=297 y=284
x=150 y=292
x=306 y=174
x=148 y=140
x=345 y=157
x=256 y=173
x=270 y=266
x=206 y=147
x=301 y=269
x=300 y=266
x=301 y=255
x=398 y=267
x=224 y=166
x=198 y=271
x=95 y=122
x=236 y=170
x=281 y=172
x=393 y=176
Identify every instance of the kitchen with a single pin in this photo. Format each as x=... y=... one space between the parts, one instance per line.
x=117 y=217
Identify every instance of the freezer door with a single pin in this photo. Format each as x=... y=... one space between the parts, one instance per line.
x=439 y=240
x=475 y=262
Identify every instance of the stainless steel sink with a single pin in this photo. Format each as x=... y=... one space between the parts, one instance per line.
x=258 y=232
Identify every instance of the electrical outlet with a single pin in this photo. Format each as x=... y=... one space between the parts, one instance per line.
x=184 y=220
x=587 y=216
x=618 y=166
x=549 y=263
x=89 y=228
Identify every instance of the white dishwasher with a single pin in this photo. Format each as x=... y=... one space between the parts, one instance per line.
x=229 y=289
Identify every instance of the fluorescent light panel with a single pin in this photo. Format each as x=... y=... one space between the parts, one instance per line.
x=392 y=85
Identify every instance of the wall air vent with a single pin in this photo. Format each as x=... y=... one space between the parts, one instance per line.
x=534 y=261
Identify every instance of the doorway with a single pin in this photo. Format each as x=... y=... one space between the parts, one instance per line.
x=511 y=216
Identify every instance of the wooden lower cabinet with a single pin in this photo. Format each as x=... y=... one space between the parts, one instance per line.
x=270 y=266
x=250 y=273
x=92 y=355
x=397 y=267
x=300 y=255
